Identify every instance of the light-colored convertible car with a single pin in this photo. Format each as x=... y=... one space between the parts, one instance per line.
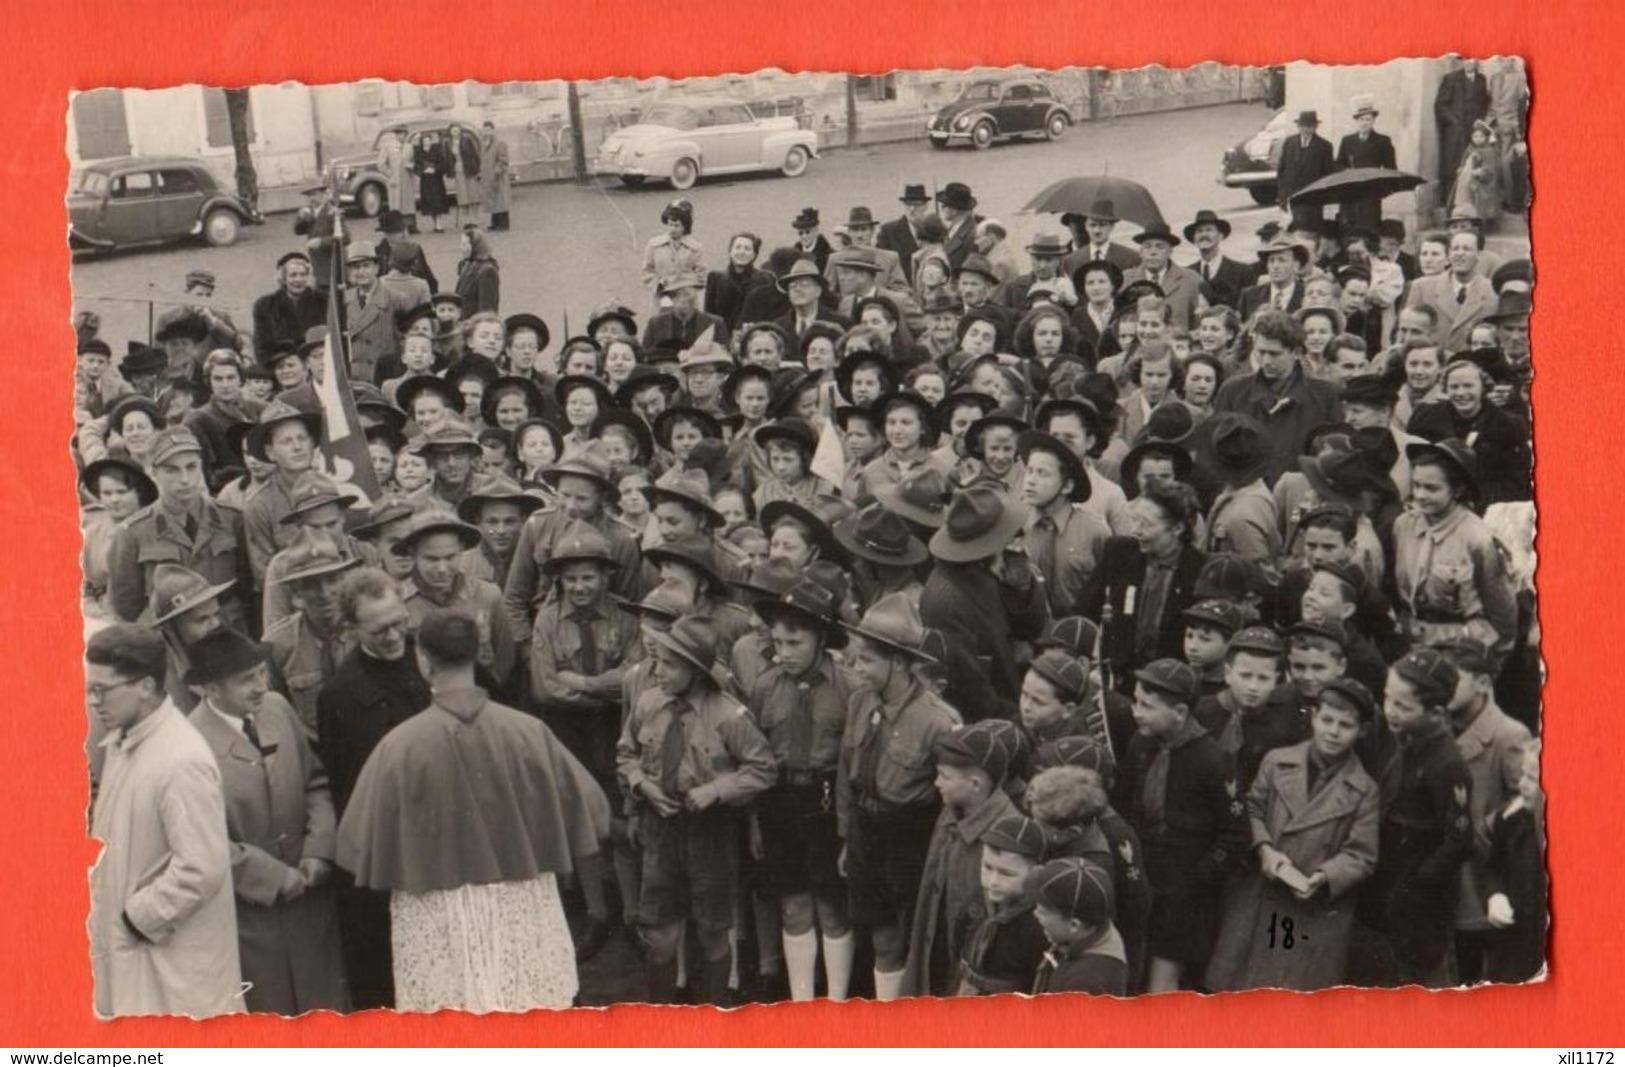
x=683 y=142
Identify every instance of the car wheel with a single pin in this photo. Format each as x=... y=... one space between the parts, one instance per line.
x=684 y=173
x=1055 y=129
x=370 y=199
x=981 y=135
x=795 y=162
x=1263 y=194
x=631 y=181
x=220 y=227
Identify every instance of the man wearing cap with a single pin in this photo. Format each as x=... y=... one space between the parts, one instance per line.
x=1064 y=540
x=163 y=930
x=975 y=281
x=1305 y=157
x=1092 y=239
x=957 y=207
x=886 y=799
x=1365 y=148
x=281 y=824
x=199 y=287
x=285 y=437
x=1181 y=288
x=972 y=766
x=901 y=236
x=369 y=312
x=1285 y=402
x=498 y=509
x=683 y=323
x=289 y=310
x=308 y=644
x=319 y=506
x=184 y=526
x=1044 y=282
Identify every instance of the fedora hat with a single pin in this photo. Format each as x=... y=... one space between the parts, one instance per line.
x=177 y=590
x=1207 y=217
x=858 y=258
x=805 y=270
x=893 y=622
x=1453 y=452
x=808 y=601
x=696 y=553
x=146 y=491
x=275 y=414
x=914 y=194
x=1307 y=118
x=1072 y=468
x=391 y=220
x=589 y=463
x=817 y=529
x=907 y=398
x=880 y=536
x=1269 y=248
x=1364 y=104
x=219 y=655
x=1049 y=244
x=691 y=489
x=1157 y=231
x=452 y=434
x=704 y=352
x=1101 y=209
x=980 y=522
x=806 y=219
x=579 y=542
x=429 y=523
x=313 y=490
x=1087 y=411
x=142 y=359
x=860 y=218
x=710 y=428
x=958 y=196
x=1240 y=451
x=312 y=555
x=1336 y=475
x=795 y=431
x=976 y=263
x=498 y=489
x=944 y=304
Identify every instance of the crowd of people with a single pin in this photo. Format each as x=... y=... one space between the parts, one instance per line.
x=895 y=615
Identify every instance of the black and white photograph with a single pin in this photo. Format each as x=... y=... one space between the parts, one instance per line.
x=807 y=535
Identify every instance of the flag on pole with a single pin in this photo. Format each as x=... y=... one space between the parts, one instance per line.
x=344 y=444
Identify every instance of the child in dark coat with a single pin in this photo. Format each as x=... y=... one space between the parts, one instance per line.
x=1006 y=945
x=1073 y=905
x=1256 y=712
x=1515 y=876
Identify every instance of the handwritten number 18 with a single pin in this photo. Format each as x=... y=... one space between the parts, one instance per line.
x=1284 y=922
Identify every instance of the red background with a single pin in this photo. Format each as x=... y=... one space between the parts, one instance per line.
x=45 y=986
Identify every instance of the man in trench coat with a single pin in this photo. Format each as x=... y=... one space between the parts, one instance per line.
x=282 y=827
x=495 y=176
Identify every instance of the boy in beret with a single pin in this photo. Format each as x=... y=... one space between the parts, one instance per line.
x=1426 y=835
x=1073 y=904
x=1006 y=945
x=1209 y=626
x=1052 y=701
x=972 y=765
x=1257 y=711
x=1179 y=791
x=1314 y=813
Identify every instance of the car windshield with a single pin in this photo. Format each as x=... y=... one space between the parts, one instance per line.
x=93 y=182
x=979 y=91
x=674 y=115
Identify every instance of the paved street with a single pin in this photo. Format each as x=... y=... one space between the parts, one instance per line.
x=574 y=246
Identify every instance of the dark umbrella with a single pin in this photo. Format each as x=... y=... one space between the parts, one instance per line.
x=1131 y=200
x=1360 y=183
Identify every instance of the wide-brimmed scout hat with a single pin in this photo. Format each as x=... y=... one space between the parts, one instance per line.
x=980 y=522
x=177 y=590
x=893 y=622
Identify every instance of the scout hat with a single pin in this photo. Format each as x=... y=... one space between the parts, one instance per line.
x=1454 y=453
x=921 y=498
x=893 y=622
x=879 y=300
x=404 y=320
x=1087 y=411
x=1355 y=693
x=1227 y=576
x=169 y=442
x=978 y=429
x=382 y=513
x=1469 y=654
x=808 y=602
x=794 y=431
x=769 y=579
x=981 y=521
x=451 y=435
x=956 y=195
x=497 y=388
x=1221 y=615
x=1077 y=750
x=370 y=400
x=313 y=490
x=1072 y=634
x=219 y=655
x=1018 y=834
x=818 y=531
x=1157 y=231
x=1326 y=629
x=435 y=522
x=1072 y=467
x=908 y=398
x=696 y=553
x=643 y=377
x=848 y=367
x=1259 y=640
x=1207 y=217
x=664 y=603
x=580 y=542
x=992 y=746
x=496 y=490
x=690 y=488
x=146 y=491
x=1074 y=888
x=880 y=536
x=692 y=639
x=311 y=556
x=710 y=428
x=1240 y=451
x=1432 y=675
x=976 y=263
x=1170 y=677
x=589 y=463
x=1062 y=671
x=748 y=372
x=629 y=421
x=805 y=270
x=1336 y=475
x=177 y=590
x=274 y=414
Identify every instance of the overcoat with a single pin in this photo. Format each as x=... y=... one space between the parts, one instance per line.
x=1333 y=831
x=278 y=812
x=495 y=175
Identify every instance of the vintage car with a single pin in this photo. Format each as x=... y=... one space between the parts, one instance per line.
x=988 y=111
x=141 y=200
x=680 y=142
x=361 y=180
x=1251 y=164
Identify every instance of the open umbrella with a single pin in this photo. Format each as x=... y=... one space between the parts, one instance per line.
x=1130 y=200
x=1359 y=183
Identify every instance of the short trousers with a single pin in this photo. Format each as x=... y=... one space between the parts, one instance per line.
x=885 y=860
x=690 y=867
x=801 y=842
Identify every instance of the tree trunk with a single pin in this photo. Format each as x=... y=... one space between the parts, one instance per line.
x=248 y=181
x=851 y=111
x=578 y=134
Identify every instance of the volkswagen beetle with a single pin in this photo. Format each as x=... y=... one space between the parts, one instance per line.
x=988 y=111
